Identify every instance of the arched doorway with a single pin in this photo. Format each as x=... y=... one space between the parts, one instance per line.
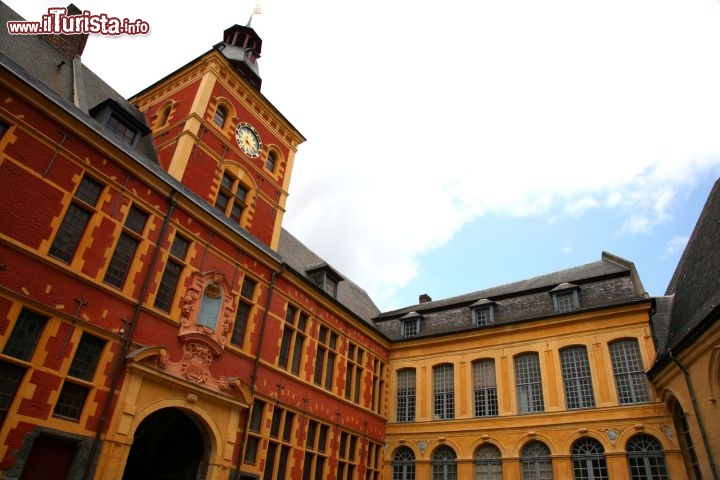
x=169 y=444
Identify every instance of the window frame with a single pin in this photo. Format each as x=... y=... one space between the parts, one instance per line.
x=405 y=396
x=577 y=377
x=444 y=391
x=528 y=381
x=631 y=384
x=485 y=392
x=72 y=229
x=176 y=259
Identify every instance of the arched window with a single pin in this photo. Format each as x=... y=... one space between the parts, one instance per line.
x=163 y=116
x=588 y=457
x=403 y=464
x=220 y=116
x=488 y=463
x=210 y=305
x=444 y=465
x=646 y=459
x=535 y=461
x=686 y=443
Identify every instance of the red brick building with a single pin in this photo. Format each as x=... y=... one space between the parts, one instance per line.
x=143 y=254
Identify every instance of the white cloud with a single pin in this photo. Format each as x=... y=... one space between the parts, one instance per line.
x=421 y=117
x=676 y=244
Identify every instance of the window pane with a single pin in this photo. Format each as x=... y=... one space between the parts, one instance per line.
x=25 y=335
x=528 y=383
x=168 y=285
x=121 y=260
x=86 y=357
x=576 y=378
x=630 y=379
x=444 y=392
x=10 y=378
x=485 y=390
x=71 y=401
x=69 y=234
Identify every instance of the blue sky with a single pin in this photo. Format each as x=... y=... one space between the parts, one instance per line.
x=460 y=145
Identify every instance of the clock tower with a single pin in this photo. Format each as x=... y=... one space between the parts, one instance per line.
x=215 y=132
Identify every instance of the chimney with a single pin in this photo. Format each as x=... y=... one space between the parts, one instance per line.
x=424 y=298
x=69 y=45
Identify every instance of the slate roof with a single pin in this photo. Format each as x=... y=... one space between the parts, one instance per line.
x=609 y=265
x=695 y=285
x=53 y=69
x=301 y=259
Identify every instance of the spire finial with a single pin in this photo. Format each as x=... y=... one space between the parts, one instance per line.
x=256 y=11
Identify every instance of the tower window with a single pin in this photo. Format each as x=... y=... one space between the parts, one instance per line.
x=231 y=197
x=271 y=161
x=220 y=116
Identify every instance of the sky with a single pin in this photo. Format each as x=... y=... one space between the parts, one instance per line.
x=454 y=146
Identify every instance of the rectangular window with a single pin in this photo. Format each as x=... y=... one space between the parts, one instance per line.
x=355 y=373
x=71 y=401
x=528 y=383
x=374 y=461
x=242 y=315
x=171 y=275
x=347 y=456
x=293 y=339
x=405 y=401
x=121 y=128
x=483 y=316
x=325 y=359
x=378 y=386
x=566 y=301
x=231 y=197
x=127 y=244
x=254 y=438
x=485 y=388
x=410 y=328
x=630 y=379
x=86 y=357
x=25 y=335
x=10 y=377
x=576 y=378
x=76 y=219
x=280 y=441
x=444 y=392
x=315 y=458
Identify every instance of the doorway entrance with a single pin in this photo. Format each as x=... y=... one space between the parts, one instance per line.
x=169 y=444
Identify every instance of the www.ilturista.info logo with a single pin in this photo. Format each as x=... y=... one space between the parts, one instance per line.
x=57 y=21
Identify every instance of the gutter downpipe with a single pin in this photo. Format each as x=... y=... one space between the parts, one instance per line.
x=256 y=365
x=701 y=425
x=127 y=342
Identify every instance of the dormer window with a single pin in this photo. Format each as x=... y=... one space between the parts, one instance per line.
x=483 y=313
x=410 y=325
x=119 y=121
x=565 y=297
x=325 y=278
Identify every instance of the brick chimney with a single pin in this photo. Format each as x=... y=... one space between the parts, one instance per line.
x=424 y=298
x=69 y=45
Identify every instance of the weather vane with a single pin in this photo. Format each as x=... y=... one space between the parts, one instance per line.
x=256 y=11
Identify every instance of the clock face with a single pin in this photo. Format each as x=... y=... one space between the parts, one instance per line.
x=248 y=139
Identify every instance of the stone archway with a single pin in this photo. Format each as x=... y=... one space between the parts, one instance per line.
x=169 y=444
